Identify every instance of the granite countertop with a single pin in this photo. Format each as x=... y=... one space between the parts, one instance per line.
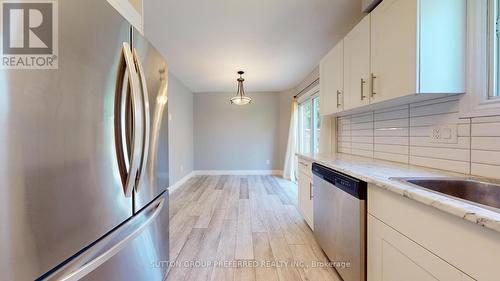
x=379 y=173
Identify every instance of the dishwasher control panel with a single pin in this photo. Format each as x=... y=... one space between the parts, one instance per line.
x=353 y=186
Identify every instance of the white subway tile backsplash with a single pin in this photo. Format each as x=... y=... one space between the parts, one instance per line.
x=394 y=123
x=362 y=133
x=344 y=138
x=441 y=153
x=442 y=164
x=486 y=157
x=485 y=147
x=489 y=119
x=361 y=152
x=392 y=140
x=486 y=143
x=344 y=150
x=401 y=158
x=362 y=126
x=391 y=148
x=462 y=142
x=362 y=146
x=483 y=170
x=403 y=134
x=366 y=139
x=486 y=129
x=463 y=130
x=391 y=132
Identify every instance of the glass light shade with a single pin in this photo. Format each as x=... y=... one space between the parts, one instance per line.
x=241 y=100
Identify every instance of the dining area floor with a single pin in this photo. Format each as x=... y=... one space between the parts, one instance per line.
x=242 y=228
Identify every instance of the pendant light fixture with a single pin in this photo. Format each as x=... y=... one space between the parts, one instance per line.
x=240 y=98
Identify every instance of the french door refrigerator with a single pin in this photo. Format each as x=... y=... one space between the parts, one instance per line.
x=84 y=156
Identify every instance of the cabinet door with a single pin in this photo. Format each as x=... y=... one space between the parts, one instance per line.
x=302 y=187
x=332 y=80
x=308 y=204
x=394 y=49
x=357 y=65
x=394 y=257
x=305 y=198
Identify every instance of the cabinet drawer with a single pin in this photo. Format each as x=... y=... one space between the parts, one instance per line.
x=305 y=167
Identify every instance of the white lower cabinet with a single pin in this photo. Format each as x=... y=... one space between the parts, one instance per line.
x=305 y=192
x=410 y=241
x=394 y=257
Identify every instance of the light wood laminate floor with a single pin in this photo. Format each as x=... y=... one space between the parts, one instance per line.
x=241 y=228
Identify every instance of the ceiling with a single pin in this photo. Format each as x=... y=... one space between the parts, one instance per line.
x=277 y=42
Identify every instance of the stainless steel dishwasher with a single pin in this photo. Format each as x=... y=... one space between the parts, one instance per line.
x=340 y=221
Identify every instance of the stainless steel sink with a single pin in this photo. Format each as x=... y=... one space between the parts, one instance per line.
x=470 y=189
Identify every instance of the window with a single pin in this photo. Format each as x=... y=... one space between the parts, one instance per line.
x=317 y=124
x=305 y=133
x=309 y=125
x=483 y=60
x=494 y=35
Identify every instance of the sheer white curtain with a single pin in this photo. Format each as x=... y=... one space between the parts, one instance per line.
x=290 y=165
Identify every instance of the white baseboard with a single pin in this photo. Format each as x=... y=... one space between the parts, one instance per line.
x=238 y=172
x=180 y=182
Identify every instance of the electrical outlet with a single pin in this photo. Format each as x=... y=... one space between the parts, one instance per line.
x=268 y=162
x=444 y=134
x=182 y=168
x=170 y=117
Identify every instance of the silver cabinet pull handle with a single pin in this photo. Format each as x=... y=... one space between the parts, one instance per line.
x=128 y=130
x=338 y=98
x=146 y=118
x=109 y=246
x=372 y=91
x=310 y=191
x=363 y=82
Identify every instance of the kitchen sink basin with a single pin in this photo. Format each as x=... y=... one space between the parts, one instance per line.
x=470 y=189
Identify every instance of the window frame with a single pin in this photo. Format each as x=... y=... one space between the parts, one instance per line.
x=301 y=128
x=480 y=77
x=308 y=97
x=493 y=49
x=316 y=113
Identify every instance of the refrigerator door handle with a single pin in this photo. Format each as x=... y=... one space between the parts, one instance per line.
x=108 y=246
x=146 y=117
x=129 y=163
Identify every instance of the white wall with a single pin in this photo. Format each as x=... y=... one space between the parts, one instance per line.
x=180 y=130
x=228 y=137
x=231 y=137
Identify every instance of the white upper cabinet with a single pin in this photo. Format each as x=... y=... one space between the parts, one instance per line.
x=357 y=65
x=418 y=47
x=404 y=51
x=331 y=76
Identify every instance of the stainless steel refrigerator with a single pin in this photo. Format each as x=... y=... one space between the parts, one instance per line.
x=84 y=156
